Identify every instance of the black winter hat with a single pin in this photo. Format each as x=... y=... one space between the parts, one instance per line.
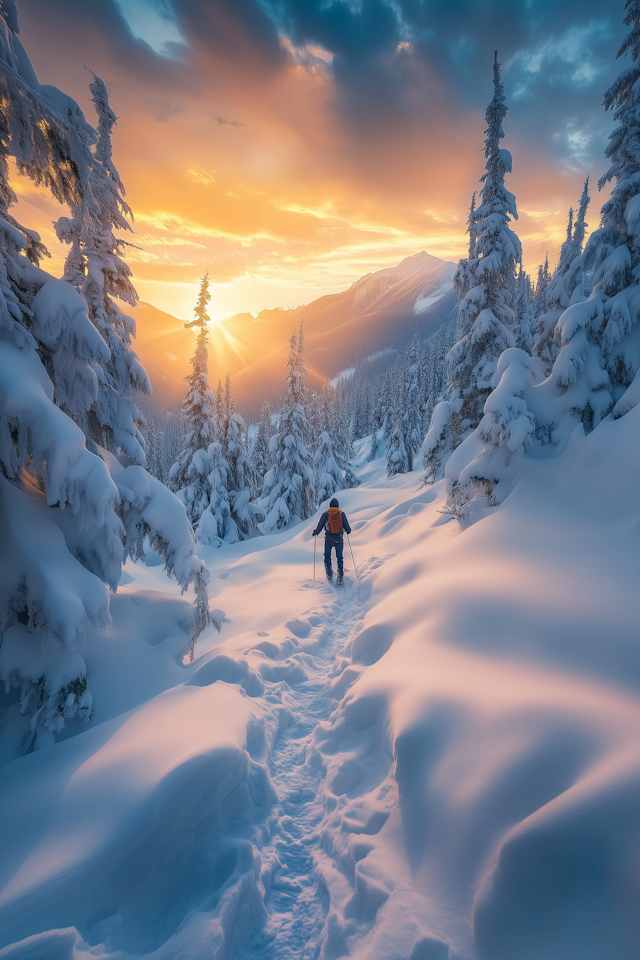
x=334 y=503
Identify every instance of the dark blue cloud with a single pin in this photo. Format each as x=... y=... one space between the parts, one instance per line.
x=398 y=64
x=558 y=59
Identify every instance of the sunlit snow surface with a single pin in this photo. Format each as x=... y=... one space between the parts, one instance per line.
x=441 y=760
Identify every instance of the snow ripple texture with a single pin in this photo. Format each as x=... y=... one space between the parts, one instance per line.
x=440 y=762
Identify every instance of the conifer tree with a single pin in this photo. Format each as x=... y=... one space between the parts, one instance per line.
x=599 y=359
x=556 y=300
x=486 y=284
x=378 y=421
x=260 y=456
x=486 y=313
x=506 y=432
x=397 y=455
x=241 y=478
x=412 y=415
x=326 y=407
x=390 y=417
x=216 y=526
x=523 y=307
x=464 y=278
x=576 y=284
x=340 y=432
x=70 y=511
x=542 y=285
x=288 y=492
x=327 y=474
x=96 y=268
x=189 y=474
x=559 y=290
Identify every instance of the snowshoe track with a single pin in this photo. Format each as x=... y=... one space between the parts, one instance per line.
x=296 y=897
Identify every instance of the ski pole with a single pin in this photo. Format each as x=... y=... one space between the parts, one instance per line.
x=352 y=556
x=315 y=540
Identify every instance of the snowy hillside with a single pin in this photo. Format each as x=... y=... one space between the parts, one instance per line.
x=440 y=761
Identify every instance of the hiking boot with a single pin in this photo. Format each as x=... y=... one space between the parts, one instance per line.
x=340 y=580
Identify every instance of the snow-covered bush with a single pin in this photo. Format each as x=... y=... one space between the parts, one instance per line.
x=506 y=430
x=441 y=439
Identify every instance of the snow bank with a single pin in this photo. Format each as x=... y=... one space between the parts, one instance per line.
x=442 y=761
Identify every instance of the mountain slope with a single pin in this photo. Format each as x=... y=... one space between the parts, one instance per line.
x=380 y=312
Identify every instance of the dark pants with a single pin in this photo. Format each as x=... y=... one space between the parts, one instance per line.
x=337 y=545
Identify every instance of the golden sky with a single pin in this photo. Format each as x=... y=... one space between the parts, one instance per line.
x=288 y=168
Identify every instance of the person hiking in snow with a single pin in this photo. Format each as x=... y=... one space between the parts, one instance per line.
x=334 y=522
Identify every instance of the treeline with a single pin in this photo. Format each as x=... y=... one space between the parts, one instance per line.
x=535 y=361
x=234 y=486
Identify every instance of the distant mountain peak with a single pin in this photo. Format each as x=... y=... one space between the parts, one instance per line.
x=377 y=316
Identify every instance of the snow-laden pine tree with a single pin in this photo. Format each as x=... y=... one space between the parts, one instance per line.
x=340 y=432
x=327 y=474
x=216 y=526
x=96 y=268
x=412 y=414
x=542 y=284
x=288 y=492
x=577 y=283
x=465 y=275
x=523 y=308
x=189 y=474
x=506 y=432
x=561 y=286
x=260 y=456
x=241 y=481
x=326 y=407
x=599 y=357
x=546 y=345
x=378 y=432
x=65 y=510
x=597 y=370
x=398 y=459
x=486 y=284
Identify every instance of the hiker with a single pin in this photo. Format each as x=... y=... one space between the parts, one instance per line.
x=334 y=522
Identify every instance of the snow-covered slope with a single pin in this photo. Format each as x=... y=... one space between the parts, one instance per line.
x=440 y=761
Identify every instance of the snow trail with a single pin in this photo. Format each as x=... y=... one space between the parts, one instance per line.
x=296 y=900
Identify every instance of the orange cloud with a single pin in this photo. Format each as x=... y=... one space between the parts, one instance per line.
x=251 y=173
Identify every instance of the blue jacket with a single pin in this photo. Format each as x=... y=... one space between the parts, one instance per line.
x=324 y=521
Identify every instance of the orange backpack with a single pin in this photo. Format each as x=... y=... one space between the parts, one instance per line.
x=335 y=520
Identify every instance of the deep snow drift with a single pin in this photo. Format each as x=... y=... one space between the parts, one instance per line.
x=442 y=760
